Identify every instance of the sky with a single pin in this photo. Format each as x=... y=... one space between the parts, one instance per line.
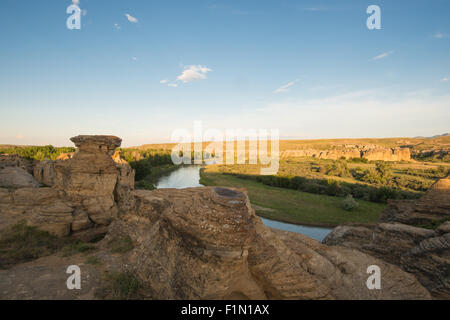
x=142 y=69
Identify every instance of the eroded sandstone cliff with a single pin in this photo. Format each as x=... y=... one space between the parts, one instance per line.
x=195 y=243
x=369 y=152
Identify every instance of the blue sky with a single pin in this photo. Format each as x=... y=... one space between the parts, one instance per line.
x=312 y=69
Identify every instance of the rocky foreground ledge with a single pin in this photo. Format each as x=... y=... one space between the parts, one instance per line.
x=194 y=243
x=412 y=234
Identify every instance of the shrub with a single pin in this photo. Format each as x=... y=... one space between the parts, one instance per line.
x=145 y=185
x=339 y=169
x=120 y=286
x=349 y=203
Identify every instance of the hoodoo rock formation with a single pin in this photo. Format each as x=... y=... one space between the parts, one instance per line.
x=87 y=191
x=401 y=239
x=195 y=243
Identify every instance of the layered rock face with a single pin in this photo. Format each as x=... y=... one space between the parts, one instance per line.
x=400 y=238
x=387 y=154
x=207 y=243
x=371 y=152
x=88 y=190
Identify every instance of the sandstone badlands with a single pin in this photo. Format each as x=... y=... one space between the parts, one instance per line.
x=368 y=152
x=199 y=243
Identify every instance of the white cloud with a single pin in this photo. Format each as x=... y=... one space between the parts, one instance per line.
x=193 y=72
x=440 y=35
x=285 y=88
x=383 y=55
x=445 y=79
x=173 y=85
x=131 y=18
x=76 y=2
x=116 y=26
x=134 y=58
x=164 y=81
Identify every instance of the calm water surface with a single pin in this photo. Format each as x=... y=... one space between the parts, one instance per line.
x=189 y=176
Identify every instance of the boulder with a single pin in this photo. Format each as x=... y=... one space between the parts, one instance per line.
x=16 y=177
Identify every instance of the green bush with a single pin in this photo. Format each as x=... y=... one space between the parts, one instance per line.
x=338 y=168
x=349 y=203
x=120 y=286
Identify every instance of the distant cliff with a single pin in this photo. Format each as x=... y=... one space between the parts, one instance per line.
x=370 y=152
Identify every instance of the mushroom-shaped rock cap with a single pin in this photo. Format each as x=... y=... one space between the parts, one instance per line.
x=97 y=144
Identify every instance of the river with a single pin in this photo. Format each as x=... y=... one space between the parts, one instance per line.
x=189 y=176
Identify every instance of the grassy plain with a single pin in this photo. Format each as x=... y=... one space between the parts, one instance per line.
x=295 y=206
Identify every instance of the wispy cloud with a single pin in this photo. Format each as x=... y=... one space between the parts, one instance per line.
x=134 y=58
x=440 y=35
x=285 y=88
x=383 y=55
x=131 y=18
x=76 y=2
x=315 y=9
x=193 y=72
x=165 y=81
x=116 y=26
x=445 y=79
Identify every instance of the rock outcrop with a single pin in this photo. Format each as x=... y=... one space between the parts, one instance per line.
x=387 y=154
x=400 y=238
x=88 y=190
x=197 y=243
x=207 y=243
x=371 y=152
x=16 y=177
